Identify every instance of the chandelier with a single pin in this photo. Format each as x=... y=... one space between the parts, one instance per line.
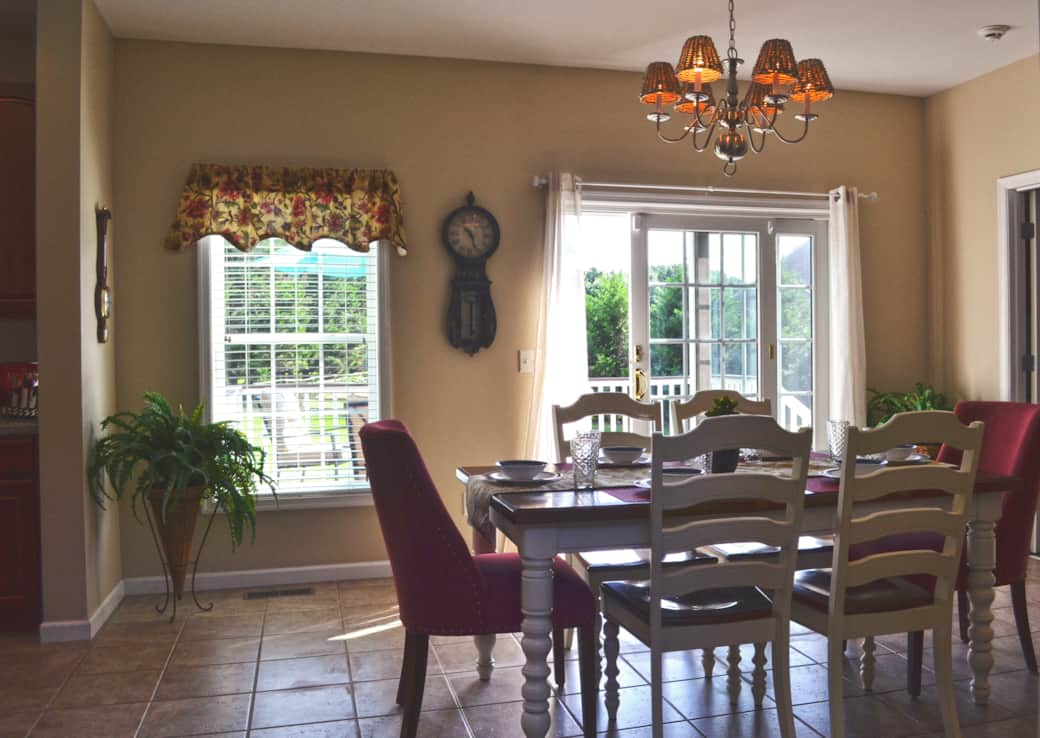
x=776 y=81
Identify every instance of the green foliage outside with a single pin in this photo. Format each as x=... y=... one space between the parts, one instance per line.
x=271 y=301
x=606 y=304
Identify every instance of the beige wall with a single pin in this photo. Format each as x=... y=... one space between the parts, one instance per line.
x=97 y=74
x=447 y=127
x=966 y=154
x=81 y=561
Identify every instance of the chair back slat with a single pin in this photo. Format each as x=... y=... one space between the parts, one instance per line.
x=683 y=493
x=609 y=404
x=896 y=564
x=681 y=581
x=703 y=401
x=889 y=481
x=897 y=522
x=945 y=515
x=672 y=531
x=698 y=533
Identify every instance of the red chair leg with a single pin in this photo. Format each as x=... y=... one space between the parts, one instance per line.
x=559 y=659
x=1021 y=608
x=914 y=657
x=963 y=608
x=418 y=646
x=588 y=655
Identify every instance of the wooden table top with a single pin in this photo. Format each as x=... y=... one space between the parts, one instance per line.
x=598 y=505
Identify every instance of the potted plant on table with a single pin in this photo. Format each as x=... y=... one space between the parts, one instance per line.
x=883 y=405
x=725 y=461
x=172 y=461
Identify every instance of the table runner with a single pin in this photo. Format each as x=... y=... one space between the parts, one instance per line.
x=618 y=481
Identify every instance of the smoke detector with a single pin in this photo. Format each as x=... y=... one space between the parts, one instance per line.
x=993 y=33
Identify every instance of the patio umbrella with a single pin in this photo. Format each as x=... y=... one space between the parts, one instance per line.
x=329 y=261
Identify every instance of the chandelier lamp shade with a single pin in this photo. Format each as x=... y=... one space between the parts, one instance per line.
x=736 y=126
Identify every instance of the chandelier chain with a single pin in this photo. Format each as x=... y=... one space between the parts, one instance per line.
x=732 y=53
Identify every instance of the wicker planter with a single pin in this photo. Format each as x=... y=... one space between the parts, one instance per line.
x=177 y=531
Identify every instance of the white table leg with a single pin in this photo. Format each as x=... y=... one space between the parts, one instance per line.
x=485 y=655
x=536 y=603
x=982 y=558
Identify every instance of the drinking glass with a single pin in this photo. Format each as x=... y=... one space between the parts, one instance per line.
x=585 y=454
x=837 y=438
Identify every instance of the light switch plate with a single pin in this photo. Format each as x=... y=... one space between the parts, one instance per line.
x=526 y=361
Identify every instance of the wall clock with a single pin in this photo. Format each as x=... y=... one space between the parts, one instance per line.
x=471 y=235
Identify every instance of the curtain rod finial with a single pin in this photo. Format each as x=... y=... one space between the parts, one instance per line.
x=539 y=181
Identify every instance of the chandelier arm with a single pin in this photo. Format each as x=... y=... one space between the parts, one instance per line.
x=805 y=132
x=707 y=139
x=665 y=139
x=758 y=149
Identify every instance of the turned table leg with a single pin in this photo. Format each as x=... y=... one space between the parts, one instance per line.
x=536 y=603
x=982 y=558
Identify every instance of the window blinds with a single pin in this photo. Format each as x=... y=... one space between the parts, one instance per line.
x=293 y=359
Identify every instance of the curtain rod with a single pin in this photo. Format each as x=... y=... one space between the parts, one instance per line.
x=542 y=181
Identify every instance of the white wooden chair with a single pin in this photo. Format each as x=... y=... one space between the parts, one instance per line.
x=704 y=604
x=596 y=567
x=874 y=594
x=606 y=404
x=814 y=551
x=703 y=401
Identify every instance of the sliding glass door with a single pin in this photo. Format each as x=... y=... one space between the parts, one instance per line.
x=734 y=303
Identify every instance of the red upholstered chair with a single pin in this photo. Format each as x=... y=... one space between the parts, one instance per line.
x=1010 y=446
x=444 y=590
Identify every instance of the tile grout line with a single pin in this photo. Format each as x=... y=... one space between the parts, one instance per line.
x=454 y=695
x=162 y=673
x=58 y=691
x=256 y=672
x=350 y=669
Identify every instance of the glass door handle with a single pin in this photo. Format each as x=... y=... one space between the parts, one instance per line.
x=641 y=384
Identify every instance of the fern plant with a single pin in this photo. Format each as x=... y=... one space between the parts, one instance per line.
x=883 y=405
x=159 y=449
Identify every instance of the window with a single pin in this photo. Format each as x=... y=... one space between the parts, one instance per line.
x=292 y=355
x=696 y=302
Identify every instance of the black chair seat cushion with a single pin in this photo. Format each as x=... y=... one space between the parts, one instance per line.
x=636 y=558
x=707 y=607
x=812 y=587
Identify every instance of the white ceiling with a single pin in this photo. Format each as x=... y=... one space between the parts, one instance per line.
x=913 y=47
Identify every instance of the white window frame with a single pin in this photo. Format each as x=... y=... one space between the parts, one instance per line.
x=330 y=498
x=789 y=215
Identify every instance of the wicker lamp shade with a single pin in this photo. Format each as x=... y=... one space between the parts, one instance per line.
x=813 y=83
x=698 y=56
x=755 y=101
x=776 y=62
x=659 y=82
x=704 y=106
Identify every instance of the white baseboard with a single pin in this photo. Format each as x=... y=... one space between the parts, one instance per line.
x=55 y=631
x=267 y=577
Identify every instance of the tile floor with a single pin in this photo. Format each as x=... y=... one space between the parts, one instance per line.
x=326 y=665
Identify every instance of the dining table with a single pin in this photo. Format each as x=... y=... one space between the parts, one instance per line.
x=545 y=520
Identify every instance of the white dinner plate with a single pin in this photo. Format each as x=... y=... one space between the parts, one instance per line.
x=682 y=473
x=861 y=469
x=541 y=478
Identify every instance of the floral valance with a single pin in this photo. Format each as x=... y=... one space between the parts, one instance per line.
x=246 y=204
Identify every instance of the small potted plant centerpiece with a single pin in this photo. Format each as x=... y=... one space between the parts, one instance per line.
x=172 y=462
x=725 y=461
x=883 y=405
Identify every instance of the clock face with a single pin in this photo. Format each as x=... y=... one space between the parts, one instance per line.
x=471 y=232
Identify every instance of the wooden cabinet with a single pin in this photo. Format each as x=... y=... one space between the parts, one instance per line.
x=17 y=208
x=20 y=597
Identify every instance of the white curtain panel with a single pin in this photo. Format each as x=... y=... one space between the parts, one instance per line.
x=561 y=353
x=848 y=354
